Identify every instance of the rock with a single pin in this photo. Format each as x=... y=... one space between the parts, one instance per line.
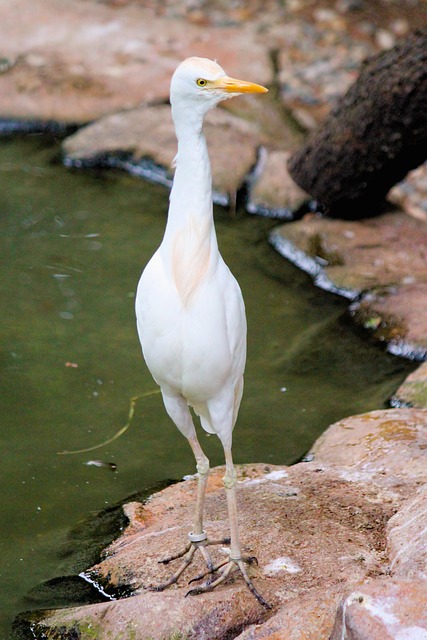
x=318 y=529
x=296 y=521
x=79 y=61
x=396 y=315
x=407 y=538
x=149 y=133
x=359 y=255
x=364 y=147
x=413 y=391
x=385 y=39
x=273 y=190
x=377 y=446
x=317 y=607
x=153 y=616
x=411 y=194
x=385 y=257
x=387 y=609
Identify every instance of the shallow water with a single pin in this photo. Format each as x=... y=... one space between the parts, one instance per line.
x=72 y=248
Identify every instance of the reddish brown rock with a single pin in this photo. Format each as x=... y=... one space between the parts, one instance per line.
x=391 y=609
x=273 y=189
x=413 y=391
x=385 y=257
x=149 y=133
x=78 y=61
x=398 y=316
x=153 y=616
x=308 y=617
x=389 y=250
x=309 y=529
x=378 y=446
x=318 y=529
x=407 y=538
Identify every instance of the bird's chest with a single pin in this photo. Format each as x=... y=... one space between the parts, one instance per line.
x=184 y=337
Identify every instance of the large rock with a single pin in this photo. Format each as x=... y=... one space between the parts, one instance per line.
x=413 y=390
x=407 y=538
x=386 y=258
x=149 y=133
x=318 y=529
x=78 y=61
x=384 y=610
x=378 y=446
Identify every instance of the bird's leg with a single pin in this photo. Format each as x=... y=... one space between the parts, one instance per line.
x=236 y=561
x=202 y=465
x=197 y=537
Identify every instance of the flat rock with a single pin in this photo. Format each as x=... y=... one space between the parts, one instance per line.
x=297 y=521
x=396 y=315
x=318 y=529
x=318 y=609
x=392 y=609
x=149 y=133
x=413 y=391
x=74 y=62
x=407 y=538
x=375 y=445
x=385 y=257
x=389 y=250
x=274 y=190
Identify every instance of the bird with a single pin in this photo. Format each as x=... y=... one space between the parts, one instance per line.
x=190 y=312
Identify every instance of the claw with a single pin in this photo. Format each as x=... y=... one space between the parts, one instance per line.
x=228 y=568
x=225 y=569
x=210 y=572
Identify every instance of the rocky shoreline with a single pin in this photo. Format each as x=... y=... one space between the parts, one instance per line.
x=340 y=539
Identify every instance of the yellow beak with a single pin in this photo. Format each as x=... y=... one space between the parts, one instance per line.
x=231 y=85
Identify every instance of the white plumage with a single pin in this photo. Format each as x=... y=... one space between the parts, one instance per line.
x=189 y=307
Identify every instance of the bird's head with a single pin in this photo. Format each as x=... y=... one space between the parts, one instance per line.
x=199 y=83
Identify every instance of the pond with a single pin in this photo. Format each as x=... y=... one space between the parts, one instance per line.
x=73 y=245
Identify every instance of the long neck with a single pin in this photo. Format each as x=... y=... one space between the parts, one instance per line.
x=189 y=245
x=191 y=195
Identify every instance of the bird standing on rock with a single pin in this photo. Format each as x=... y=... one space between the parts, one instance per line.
x=190 y=311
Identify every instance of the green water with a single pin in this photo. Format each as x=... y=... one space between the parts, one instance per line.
x=72 y=249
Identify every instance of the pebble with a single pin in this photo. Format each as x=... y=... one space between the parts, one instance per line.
x=385 y=39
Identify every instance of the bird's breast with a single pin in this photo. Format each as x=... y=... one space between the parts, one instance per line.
x=187 y=341
x=192 y=258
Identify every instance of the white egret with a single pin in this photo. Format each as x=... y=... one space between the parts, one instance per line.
x=190 y=311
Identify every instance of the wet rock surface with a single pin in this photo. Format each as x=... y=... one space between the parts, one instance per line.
x=380 y=263
x=321 y=531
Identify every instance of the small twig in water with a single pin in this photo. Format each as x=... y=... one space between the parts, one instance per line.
x=121 y=431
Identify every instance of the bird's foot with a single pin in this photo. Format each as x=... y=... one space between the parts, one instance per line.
x=226 y=569
x=197 y=541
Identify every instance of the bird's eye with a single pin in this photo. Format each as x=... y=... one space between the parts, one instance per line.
x=201 y=82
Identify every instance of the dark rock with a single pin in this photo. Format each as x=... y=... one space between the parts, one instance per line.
x=365 y=146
